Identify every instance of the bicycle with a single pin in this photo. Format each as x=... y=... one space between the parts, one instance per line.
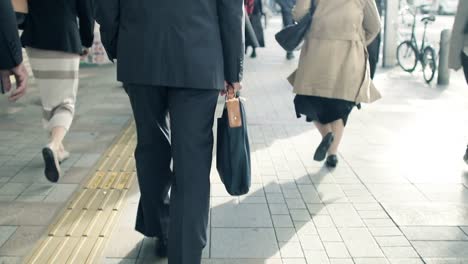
x=409 y=54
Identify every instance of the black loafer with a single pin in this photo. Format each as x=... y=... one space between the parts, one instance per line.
x=322 y=149
x=332 y=161
x=52 y=167
x=161 y=248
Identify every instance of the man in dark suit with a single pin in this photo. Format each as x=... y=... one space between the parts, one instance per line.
x=10 y=53
x=374 y=47
x=288 y=19
x=174 y=57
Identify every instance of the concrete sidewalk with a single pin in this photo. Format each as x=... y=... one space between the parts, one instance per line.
x=399 y=194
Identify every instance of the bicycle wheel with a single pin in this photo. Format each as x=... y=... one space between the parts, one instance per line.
x=429 y=64
x=407 y=56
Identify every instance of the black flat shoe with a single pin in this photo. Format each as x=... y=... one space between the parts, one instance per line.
x=332 y=161
x=322 y=149
x=52 y=167
x=161 y=248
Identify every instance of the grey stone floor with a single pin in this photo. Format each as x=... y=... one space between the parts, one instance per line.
x=399 y=195
x=28 y=202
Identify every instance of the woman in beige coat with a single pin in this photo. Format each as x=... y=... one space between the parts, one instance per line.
x=333 y=74
x=458 y=57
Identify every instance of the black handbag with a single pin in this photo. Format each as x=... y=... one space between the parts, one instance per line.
x=233 y=151
x=292 y=36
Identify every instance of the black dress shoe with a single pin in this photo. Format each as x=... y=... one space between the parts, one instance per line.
x=332 y=161
x=324 y=146
x=161 y=248
x=465 y=158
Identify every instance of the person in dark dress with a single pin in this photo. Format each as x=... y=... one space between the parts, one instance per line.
x=288 y=19
x=374 y=47
x=256 y=20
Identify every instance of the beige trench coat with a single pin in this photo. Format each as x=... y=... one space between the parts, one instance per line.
x=459 y=41
x=333 y=61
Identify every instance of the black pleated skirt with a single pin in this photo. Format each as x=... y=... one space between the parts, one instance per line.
x=321 y=109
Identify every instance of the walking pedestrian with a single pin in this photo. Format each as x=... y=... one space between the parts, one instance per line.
x=174 y=57
x=11 y=57
x=333 y=74
x=374 y=47
x=54 y=41
x=255 y=15
x=288 y=19
x=459 y=45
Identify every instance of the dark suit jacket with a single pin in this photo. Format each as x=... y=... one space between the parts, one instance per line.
x=10 y=47
x=176 y=43
x=53 y=25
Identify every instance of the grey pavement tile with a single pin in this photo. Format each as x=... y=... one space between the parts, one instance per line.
x=241 y=215
x=309 y=194
x=118 y=261
x=61 y=193
x=244 y=243
x=330 y=193
x=399 y=252
x=291 y=249
x=323 y=221
x=295 y=204
x=305 y=228
x=392 y=241
x=385 y=231
x=9 y=198
x=10 y=260
x=291 y=193
x=341 y=261
x=22 y=241
x=428 y=214
x=88 y=160
x=378 y=214
x=465 y=229
x=275 y=198
x=25 y=213
x=282 y=221
x=37 y=189
x=253 y=200
x=7 y=172
x=240 y=261
x=452 y=193
x=6 y=232
x=371 y=261
x=387 y=222
x=294 y=261
x=26 y=198
x=286 y=234
x=426 y=233
x=396 y=193
x=30 y=174
x=278 y=208
x=310 y=242
x=406 y=261
x=12 y=189
x=317 y=257
x=329 y=234
x=300 y=215
x=75 y=175
x=317 y=209
x=123 y=243
x=446 y=260
x=360 y=243
x=344 y=215
x=336 y=250
x=442 y=249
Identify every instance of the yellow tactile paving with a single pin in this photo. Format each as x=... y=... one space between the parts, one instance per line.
x=79 y=233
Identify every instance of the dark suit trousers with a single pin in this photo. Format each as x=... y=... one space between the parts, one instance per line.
x=189 y=143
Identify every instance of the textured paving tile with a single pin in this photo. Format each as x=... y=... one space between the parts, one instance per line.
x=241 y=215
x=244 y=243
x=434 y=233
x=442 y=249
